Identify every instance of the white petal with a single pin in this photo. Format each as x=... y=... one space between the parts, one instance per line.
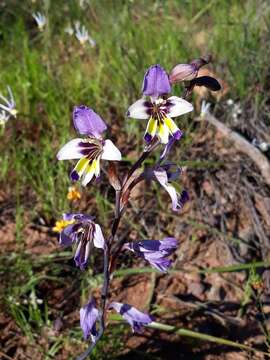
x=138 y=110
x=89 y=173
x=80 y=168
x=97 y=167
x=179 y=106
x=98 y=237
x=110 y=152
x=163 y=133
x=162 y=178
x=70 y=150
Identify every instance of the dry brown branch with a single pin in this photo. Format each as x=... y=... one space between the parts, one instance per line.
x=223 y=318
x=242 y=145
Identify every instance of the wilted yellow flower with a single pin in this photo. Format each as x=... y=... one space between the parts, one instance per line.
x=61 y=224
x=73 y=194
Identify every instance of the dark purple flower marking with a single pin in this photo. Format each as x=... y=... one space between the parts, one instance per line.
x=134 y=317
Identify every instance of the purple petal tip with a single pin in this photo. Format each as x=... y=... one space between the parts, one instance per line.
x=178 y=134
x=74 y=176
x=147 y=138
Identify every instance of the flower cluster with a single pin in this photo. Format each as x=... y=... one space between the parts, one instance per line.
x=81 y=231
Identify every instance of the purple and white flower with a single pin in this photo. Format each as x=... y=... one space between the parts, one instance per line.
x=163 y=175
x=158 y=110
x=205 y=108
x=134 y=317
x=4 y=117
x=89 y=315
x=82 y=231
x=9 y=105
x=154 y=251
x=82 y=35
x=40 y=20
x=89 y=150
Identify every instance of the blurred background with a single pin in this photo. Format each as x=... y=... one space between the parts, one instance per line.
x=95 y=53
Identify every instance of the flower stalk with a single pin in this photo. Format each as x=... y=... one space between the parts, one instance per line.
x=90 y=149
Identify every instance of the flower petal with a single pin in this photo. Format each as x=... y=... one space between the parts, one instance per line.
x=77 y=216
x=110 y=151
x=162 y=264
x=70 y=150
x=162 y=178
x=133 y=316
x=168 y=146
x=66 y=238
x=79 y=169
x=82 y=254
x=87 y=122
x=182 y=199
x=98 y=237
x=156 y=82
x=89 y=171
x=163 y=133
x=171 y=126
x=97 y=167
x=88 y=317
x=178 y=106
x=168 y=243
x=151 y=129
x=139 y=110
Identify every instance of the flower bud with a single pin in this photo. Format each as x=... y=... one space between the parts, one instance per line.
x=188 y=72
x=183 y=72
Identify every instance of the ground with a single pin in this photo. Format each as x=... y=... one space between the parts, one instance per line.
x=219 y=284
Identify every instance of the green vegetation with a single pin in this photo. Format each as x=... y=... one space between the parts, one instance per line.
x=49 y=72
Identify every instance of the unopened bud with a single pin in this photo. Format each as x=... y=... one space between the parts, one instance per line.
x=183 y=72
x=188 y=72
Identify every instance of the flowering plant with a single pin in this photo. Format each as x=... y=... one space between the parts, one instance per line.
x=82 y=231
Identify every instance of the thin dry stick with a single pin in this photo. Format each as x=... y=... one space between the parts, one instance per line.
x=242 y=145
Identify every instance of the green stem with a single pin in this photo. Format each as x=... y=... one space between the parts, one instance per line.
x=194 y=335
x=219 y=269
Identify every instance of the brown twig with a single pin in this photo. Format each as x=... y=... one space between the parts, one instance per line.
x=242 y=145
